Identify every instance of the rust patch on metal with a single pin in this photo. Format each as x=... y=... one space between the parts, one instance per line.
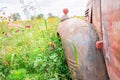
x=111 y=31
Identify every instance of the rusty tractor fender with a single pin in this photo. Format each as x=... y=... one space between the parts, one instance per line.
x=84 y=60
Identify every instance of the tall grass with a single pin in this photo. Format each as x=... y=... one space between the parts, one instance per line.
x=33 y=53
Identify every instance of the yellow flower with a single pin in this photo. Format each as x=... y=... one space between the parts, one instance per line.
x=49 y=28
x=49 y=43
x=42 y=49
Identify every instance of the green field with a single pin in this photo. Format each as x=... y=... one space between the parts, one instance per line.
x=32 y=53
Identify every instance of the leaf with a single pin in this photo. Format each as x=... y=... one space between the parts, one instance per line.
x=75 y=52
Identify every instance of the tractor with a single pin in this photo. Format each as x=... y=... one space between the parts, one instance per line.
x=92 y=46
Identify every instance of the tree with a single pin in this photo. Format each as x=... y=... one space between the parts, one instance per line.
x=50 y=15
x=33 y=18
x=40 y=16
x=15 y=16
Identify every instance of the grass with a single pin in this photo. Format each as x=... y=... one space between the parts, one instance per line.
x=33 y=53
x=75 y=52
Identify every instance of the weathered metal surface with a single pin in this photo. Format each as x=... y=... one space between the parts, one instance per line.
x=106 y=20
x=110 y=10
x=96 y=17
x=90 y=64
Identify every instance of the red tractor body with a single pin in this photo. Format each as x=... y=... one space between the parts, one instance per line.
x=105 y=17
x=92 y=47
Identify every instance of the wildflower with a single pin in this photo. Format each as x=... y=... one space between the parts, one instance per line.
x=42 y=49
x=28 y=27
x=49 y=43
x=52 y=47
x=3 y=32
x=17 y=31
x=8 y=35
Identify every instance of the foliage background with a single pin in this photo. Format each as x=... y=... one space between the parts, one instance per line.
x=32 y=51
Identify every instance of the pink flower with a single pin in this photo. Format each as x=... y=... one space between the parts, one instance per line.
x=8 y=35
x=28 y=26
x=17 y=31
